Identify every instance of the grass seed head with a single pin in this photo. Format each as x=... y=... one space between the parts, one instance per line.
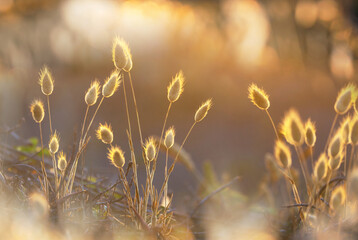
x=344 y=128
x=128 y=67
x=37 y=111
x=54 y=143
x=119 y=55
x=321 y=168
x=111 y=85
x=105 y=133
x=353 y=133
x=92 y=93
x=283 y=154
x=335 y=163
x=175 y=88
x=46 y=81
x=258 y=97
x=169 y=137
x=271 y=167
x=62 y=162
x=292 y=128
x=203 y=110
x=335 y=146
x=344 y=99
x=310 y=133
x=116 y=156
x=150 y=149
x=338 y=197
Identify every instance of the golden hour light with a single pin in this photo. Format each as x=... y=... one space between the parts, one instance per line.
x=167 y=119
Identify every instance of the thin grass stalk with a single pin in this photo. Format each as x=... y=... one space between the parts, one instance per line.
x=131 y=140
x=302 y=168
x=49 y=111
x=136 y=109
x=162 y=133
x=331 y=131
x=45 y=180
x=327 y=184
x=54 y=165
x=175 y=160
x=148 y=190
x=312 y=164
x=304 y=161
x=345 y=160
x=165 y=176
x=90 y=124
x=272 y=123
x=83 y=128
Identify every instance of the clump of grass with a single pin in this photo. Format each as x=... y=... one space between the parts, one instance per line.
x=143 y=201
x=324 y=191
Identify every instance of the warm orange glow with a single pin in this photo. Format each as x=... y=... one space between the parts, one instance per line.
x=306 y=13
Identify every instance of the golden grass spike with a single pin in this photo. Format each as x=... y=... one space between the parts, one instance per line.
x=169 y=137
x=271 y=166
x=310 y=133
x=53 y=145
x=61 y=162
x=203 y=110
x=128 y=67
x=259 y=97
x=111 y=85
x=345 y=129
x=175 y=88
x=92 y=93
x=282 y=154
x=335 y=146
x=150 y=149
x=37 y=111
x=321 y=167
x=116 y=156
x=344 y=99
x=292 y=128
x=353 y=133
x=46 y=81
x=338 y=197
x=119 y=56
x=335 y=163
x=105 y=133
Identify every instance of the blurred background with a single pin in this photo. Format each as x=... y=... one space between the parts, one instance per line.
x=300 y=51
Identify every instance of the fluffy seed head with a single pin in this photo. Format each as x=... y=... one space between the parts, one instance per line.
x=344 y=128
x=169 y=137
x=321 y=168
x=310 y=133
x=150 y=149
x=175 y=88
x=292 y=128
x=356 y=104
x=335 y=146
x=344 y=99
x=119 y=55
x=37 y=111
x=61 y=162
x=203 y=110
x=105 y=133
x=46 y=81
x=335 y=163
x=271 y=166
x=338 y=197
x=92 y=93
x=258 y=97
x=283 y=154
x=111 y=85
x=129 y=65
x=54 y=143
x=353 y=133
x=116 y=156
